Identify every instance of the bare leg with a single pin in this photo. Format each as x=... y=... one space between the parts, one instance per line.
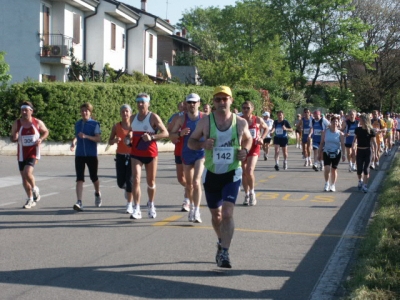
x=151 y=172
x=136 y=174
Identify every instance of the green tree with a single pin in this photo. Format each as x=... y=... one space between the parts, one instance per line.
x=4 y=69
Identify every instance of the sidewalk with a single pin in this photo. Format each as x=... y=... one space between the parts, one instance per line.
x=57 y=148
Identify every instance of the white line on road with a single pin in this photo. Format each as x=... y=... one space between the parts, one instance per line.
x=47 y=195
x=8 y=203
x=330 y=279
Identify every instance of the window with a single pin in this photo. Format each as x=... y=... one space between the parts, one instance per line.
x=151 y=45
x=77 y=29
x=123 y=41
x=46 y=25
x=113 y=36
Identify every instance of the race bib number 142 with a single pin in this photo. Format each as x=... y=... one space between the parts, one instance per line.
x=223 y=155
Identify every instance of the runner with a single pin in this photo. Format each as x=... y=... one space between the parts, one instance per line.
x=122 y=158
x=29 y=132
x=330 y=149
x=87 y=135
x=362 y=144
x=380 y=127
x=348 y=128
x=255 y=124
x=267 y=141
x=178 y=142
x=193 y=160
x=281 y=127
x=397 y=137
x=319 y=124
x=207 y=109
x=224 y=135
x=305 y=126
x=388 y=137
x=297 y=123
x=147 y=127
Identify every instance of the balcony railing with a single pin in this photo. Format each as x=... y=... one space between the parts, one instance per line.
x=56 y=45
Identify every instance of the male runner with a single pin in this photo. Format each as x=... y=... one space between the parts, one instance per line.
x=319 y=124
x=193 y=160
x=29 y=132
x=348 y=128
x=281 y=127
x=147 y=128
x=267 y=140
x=306 y=125
x=227 y=140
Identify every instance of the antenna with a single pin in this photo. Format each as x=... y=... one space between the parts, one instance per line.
x=166 y=11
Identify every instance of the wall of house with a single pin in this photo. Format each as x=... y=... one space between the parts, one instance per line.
x=151 y=63
x=136 y=49
x=19 y=38
x=116 y=58
x=69 y=28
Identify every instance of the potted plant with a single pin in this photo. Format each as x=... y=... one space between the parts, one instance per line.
x=46 y=50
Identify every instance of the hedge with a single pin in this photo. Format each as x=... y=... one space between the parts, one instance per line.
x=57 y=104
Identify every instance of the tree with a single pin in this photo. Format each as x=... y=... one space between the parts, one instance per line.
x=4 y=68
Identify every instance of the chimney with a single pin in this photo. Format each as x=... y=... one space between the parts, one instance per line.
x=178 y=34
x=144 y=5
x=184 y=33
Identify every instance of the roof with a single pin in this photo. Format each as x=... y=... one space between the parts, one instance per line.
x=185 y=41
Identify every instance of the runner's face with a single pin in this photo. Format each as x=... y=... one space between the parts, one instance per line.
x=26 y=113
x=222 y=102
x=307 y=114
x=125 y=113
x=192 y=106
x=352 y=116
x=142 y=106
x=280 y=116
x=85 y=113
x=246 y=109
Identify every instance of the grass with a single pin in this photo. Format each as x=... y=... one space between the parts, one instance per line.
x=376 y=274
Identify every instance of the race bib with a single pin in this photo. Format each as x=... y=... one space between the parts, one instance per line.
x=306 y=130
x=279 y=131
x=253 y=132
x=223 y=155
x=29 y=140
x=317 y=131
x=351 y=132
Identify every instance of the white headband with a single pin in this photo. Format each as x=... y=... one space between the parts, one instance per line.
x=26 y=106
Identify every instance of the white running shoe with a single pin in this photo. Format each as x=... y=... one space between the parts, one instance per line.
x=246 y=200
x=285 y=165
x=377 y=164
x=29 y=204
x=129 y=208
x=151 y=210
x=364 y=188
x=253 y=200
x=185 y=205
x=326 y=188
x=191 y=215
x=354 y=168
x=306 y=163
x=321 y=167
x=350 y=169
x=197 y=218
x=35 y=193
x=333 y=188
x=97 y=199
x=137 y=214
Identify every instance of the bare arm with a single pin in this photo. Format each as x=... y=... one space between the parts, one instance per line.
x=264 y=127
x=342 y=137
x=246 y=140
x=44 y=132
x=158 y=124
x=113 y=136
x=14 y=132
x=201 y=130
x=174 y=132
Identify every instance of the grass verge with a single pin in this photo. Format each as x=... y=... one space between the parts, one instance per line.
x=376 y=274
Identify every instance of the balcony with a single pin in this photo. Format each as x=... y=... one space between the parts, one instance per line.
x=55 y=49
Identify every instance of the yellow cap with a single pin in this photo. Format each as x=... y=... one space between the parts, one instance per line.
x=223 y=89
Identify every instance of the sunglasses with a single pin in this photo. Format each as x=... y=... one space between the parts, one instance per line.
x=191 y=102
x=245 y=108
x=218 y=99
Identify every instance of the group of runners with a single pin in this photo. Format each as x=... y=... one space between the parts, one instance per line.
x=214 y=147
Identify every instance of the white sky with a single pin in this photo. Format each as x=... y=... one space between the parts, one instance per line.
x=176 y=7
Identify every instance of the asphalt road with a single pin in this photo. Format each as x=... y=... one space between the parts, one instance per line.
x=295 y=244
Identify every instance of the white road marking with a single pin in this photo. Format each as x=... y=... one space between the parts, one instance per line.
x=8 y=203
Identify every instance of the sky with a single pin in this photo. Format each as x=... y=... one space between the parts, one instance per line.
x=175 y=8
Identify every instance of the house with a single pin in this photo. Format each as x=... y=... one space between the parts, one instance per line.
x=40 y=35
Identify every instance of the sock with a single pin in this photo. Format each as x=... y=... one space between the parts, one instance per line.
x=196 y=209
x=277 y=162
x=285 y=161
x=252 y=191
x=247 y=193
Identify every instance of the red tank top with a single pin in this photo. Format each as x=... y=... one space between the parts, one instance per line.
x=139 y=146
x=27 y=138
x=254 y=129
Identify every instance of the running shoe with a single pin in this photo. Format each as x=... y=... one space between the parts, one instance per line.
x=372 y=166
x=389 y=151
x=354 y=168
x=315 y=167
x=309 y=163
x=285 y=165
x=326 y=188
x=306 y=163
x=297 y=146
x=78 y=206
x=350 y=169
x=219 y=251
x=246 y=200
x=386 y=153
x=97 y=199
x=253 y=200
x=364 y=188
x=377 y=164
x=223 y=260
x=129 y=208
x=29 y=204
x=276 y=168
x=265 y=157
x=360 y=185
x=137 y=214
x=333 y=188
x=191 y=215
x=197 y=218
x=321 y=167
x=151 y=210
x=185 y=205
x=35 y=193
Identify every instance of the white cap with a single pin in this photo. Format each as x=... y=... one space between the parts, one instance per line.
x=192 y=98
x=265 y=114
